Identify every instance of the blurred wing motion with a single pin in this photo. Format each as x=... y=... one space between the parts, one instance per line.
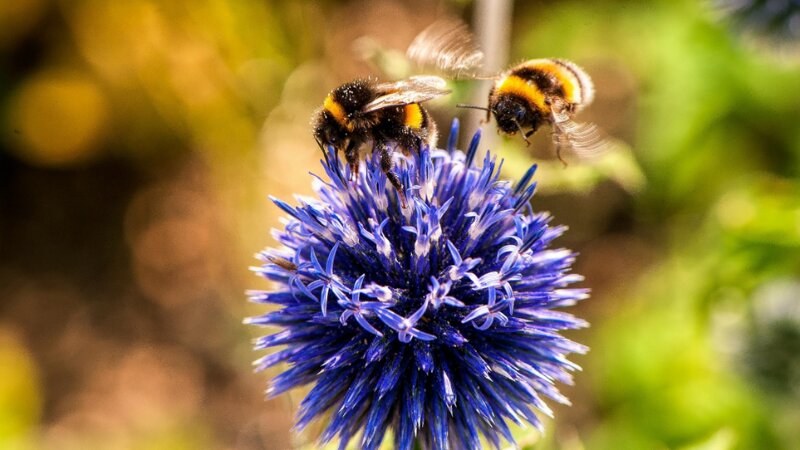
x=411 y=90
x=446 y=45
x=585 y=139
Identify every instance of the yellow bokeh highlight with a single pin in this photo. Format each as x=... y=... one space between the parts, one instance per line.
x=58 y=118
x=119 y=39
x=20 y=398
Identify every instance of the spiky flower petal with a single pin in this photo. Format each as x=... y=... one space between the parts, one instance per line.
x=438 y=320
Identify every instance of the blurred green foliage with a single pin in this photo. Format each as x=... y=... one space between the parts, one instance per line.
x=717 y=137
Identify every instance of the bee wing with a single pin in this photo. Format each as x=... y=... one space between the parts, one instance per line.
x=411 y=90
x=446 y=45
x=585 y=139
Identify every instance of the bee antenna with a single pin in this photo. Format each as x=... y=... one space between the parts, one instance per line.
x=462 y=105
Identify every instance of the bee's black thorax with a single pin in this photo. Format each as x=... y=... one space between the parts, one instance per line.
x=353 y=96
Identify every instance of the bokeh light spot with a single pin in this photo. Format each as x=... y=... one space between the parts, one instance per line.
x=58 y=118
x=20 y=401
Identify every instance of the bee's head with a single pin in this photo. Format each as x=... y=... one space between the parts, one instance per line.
x=513 y=114
x=337 y=122
x=329 y=132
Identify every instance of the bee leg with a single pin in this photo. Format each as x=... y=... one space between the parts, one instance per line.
x=525 y=137
x=489 y=109
x=386 y=167
x=488 y=117
x=558 y=140
x=351 y=155
x=524 y=134
x=558 y=155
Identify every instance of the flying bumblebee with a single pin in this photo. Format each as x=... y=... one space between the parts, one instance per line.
x=524 y=97
x=364 y=111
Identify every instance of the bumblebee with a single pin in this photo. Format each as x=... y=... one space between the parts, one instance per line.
x=545 y=91
x=364 y=111
x=524 y=97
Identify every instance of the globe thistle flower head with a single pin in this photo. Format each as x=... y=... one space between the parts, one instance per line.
x=439 y=320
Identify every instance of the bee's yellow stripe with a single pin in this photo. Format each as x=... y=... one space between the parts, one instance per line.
x=515 y=85
x=413 y=116
x=567 y=79
x=336 y=110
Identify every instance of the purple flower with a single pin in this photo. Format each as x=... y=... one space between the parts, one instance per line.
x=438 y=320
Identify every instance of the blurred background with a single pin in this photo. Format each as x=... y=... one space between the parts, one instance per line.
x=139 y=141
